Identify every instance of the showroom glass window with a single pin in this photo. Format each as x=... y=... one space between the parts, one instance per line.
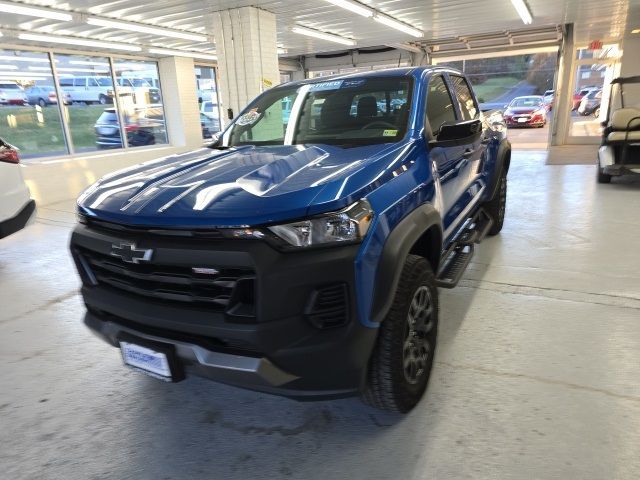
x=468 y=106
x=208 y=103
x=91 y=114
x=440 y=109
x=140 y=97
x=29 y=114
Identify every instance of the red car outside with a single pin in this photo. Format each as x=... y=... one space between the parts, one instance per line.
x=529 y=111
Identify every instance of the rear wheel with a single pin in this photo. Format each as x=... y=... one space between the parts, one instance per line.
x=497 y=206
x=603 y=177
x=42 y=102
x=401 y=362
x=102 y=99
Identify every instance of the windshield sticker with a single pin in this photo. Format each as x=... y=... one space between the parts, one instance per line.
x=318 y=87
x=249 y=118
x=354 y=83
x=389 y=133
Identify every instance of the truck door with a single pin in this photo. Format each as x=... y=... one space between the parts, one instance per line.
x=448 y=157
x=473 y=148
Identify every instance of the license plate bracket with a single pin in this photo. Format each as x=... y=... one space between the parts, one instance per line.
x=156 y=359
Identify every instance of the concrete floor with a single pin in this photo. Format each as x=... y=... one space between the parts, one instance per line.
x=537 y=374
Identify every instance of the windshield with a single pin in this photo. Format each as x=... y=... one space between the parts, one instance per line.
x=351 y=112
x=526 y=102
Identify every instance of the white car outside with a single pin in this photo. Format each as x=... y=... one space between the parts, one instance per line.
x=12 y=94
x=16 y=206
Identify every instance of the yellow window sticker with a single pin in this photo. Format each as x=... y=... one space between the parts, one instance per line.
x=389 y=133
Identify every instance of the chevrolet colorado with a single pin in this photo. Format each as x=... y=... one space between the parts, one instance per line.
x=301 y=253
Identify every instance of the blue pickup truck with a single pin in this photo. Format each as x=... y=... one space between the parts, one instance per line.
x=301 y=253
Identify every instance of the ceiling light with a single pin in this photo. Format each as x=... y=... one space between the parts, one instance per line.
x=637 y=30
x=139 y=28
x=79 y=41
x=69 y=69
x=20 y=75
x=403 y=27
x=15 y=58
x=282 y=51
x=88 y=62
x=323 y=36
x=7 y=7
x=354 y=7
x=9 y=67
x=523 y=11
x=182 y=53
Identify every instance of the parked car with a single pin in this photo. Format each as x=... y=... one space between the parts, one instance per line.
x=12 y=94
x=16 y=205
x=528 y=111
x=590 y=103
x=140 y=130
x=210 y=109
x=44 y=95
x=144 y=92
x=577 y=97
x=300 y=262
x=89 y=89
x=548 y=99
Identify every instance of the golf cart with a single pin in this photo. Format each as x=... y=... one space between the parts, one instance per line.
x=619 y=152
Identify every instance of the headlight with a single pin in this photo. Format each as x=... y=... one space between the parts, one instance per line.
x=348 y=225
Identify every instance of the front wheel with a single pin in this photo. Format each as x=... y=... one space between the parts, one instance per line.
x=401 y=362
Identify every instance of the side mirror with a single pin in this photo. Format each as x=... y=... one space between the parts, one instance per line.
x=459 y=131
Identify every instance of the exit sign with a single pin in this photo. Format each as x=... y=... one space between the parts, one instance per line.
x=595 y=45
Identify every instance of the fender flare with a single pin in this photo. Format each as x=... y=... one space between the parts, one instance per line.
x=396 y=249
x=503 y=161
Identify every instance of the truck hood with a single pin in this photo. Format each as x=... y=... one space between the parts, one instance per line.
x=239 y=186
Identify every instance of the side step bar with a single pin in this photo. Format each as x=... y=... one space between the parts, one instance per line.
x=457 y=258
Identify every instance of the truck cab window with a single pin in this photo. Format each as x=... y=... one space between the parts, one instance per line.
x=440 y=109
x=468 y=106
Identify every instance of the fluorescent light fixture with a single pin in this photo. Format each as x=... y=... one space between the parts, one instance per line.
x=523 y=11
x=354 y=7
x=79 y=42
x=15 y=58
x=8 y=67
x=28 y=74
x=309 y=32
x=182 y=53
x=637 y=30
x=140 y=28
x=7 y=7
x=88 y=62
x=69 y=69
x=403 y=27
x=282 y=51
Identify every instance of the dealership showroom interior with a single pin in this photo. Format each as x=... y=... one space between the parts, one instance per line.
x=320 y=239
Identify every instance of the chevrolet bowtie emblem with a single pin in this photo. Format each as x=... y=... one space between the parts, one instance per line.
x=128 y=253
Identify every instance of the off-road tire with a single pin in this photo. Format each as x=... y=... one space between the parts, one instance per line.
x=387 y=386
x=497 y=206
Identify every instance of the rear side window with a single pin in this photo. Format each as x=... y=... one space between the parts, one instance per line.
x=66 y=82
x=468 y=105
x=79 y=82
x=440 y=109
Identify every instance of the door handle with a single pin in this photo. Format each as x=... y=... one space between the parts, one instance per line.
x=467 y=153
x=486 y=141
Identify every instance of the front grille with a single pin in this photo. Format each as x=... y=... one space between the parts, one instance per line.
x=230 y=289
x=329 y=306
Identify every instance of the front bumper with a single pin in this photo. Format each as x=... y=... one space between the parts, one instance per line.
x=273 y=346
x=19 y=221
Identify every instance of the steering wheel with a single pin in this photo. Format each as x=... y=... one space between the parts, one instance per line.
x=378 y=124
